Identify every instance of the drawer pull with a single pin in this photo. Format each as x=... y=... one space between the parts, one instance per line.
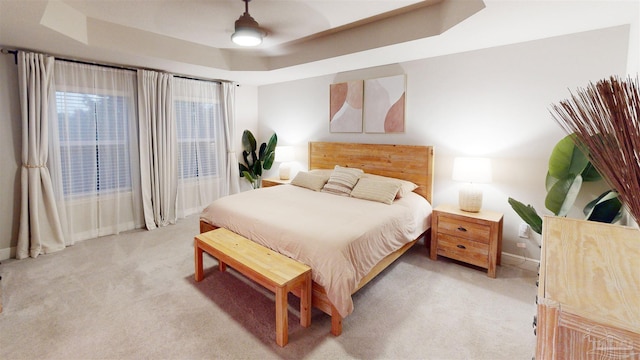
x=460 y=228
x=461 y=246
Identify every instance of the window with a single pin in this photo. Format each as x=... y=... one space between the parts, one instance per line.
x=200 y=143
x=197 y=121
x=93 y=132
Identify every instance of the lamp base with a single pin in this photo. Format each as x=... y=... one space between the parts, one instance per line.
x=470 y=198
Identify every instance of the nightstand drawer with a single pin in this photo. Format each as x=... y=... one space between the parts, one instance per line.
x=458 y=248
x=464 y=229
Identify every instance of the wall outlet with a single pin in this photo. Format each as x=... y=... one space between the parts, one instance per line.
x=523 y=231
x=521 y=245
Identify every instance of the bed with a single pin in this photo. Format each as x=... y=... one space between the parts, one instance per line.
x=307 y=237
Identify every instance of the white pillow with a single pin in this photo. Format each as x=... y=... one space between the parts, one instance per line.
x=405 y=185
x=309 y=181
x=342 y=180
x=383 y=191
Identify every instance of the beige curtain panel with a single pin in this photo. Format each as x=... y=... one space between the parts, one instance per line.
x=158 y=153
x=232 y=172
x=40 y=230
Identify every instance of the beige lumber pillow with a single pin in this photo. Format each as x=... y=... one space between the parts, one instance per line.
x=342 y=180
x=376 y=190
x=405 y=185
x=310 y=181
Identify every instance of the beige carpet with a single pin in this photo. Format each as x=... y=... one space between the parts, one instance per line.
x=133 y=296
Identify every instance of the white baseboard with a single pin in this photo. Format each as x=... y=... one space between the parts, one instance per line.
x=7 y=253
x=520 y=261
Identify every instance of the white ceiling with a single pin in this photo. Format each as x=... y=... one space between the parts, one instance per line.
x=305 y=37
x=210 y=22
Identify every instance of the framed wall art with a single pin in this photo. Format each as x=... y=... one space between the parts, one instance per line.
x=346 y=101
x=384 y=104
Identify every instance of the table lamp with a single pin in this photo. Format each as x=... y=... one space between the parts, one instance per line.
x=471 y=171
x=284 y=155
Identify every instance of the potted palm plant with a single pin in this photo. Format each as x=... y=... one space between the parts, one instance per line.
x=569 y=167
x=256 y=160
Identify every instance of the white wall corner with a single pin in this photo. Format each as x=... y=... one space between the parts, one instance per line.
x=7 y=253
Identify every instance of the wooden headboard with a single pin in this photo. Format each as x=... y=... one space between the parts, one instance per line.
x=408 y=162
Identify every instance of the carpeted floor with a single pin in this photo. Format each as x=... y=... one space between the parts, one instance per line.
x=132 y=296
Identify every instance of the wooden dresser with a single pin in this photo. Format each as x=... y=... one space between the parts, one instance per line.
x=589 y=291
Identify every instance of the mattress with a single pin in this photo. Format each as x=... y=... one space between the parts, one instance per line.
x=341 y=238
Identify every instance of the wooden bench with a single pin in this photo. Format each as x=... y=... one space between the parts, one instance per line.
x=268 y=268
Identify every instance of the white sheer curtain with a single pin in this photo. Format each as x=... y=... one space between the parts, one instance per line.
x=232 y=173
x=201 y=144
x=40 y=229
x=158 y=153
x=96 y=149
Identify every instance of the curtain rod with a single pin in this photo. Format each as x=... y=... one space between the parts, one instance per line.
x=14 y=52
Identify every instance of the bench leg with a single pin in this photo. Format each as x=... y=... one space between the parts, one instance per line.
x=282 y=323
x=199 y=272
x=305 y=302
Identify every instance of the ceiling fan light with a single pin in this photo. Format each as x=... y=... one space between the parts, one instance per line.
x=247 y=36
x=247 y=31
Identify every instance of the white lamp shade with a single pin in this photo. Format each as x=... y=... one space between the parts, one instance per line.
x=284 y=155
x=472 y=169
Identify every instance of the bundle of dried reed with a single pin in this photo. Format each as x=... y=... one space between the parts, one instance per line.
x=604 y=118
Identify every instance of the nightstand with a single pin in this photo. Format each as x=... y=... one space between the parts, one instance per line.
x=473 y=238
x=274 y=182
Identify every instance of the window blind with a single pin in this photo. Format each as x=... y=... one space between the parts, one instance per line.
x=94 y=143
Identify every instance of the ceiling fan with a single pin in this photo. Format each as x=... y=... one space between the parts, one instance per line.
x=247 y=30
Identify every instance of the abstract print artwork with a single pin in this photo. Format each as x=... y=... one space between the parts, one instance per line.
x=346 y=107
x=384 y=104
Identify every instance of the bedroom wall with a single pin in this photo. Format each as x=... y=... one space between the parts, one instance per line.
x=246 y=119
x=10 y=142
x=492 y=102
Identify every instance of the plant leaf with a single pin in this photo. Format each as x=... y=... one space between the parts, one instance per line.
x=273 y=142
x=248 y=141
x=263 y=146
x=248 y=176
x=528 y=214
x=590 y=173
x=245 y=156
x=605 y=208
x=243 y=169
x=268 y=161
x=563 y=194
x=549 y=181
x=566 y=159
x=257 y=169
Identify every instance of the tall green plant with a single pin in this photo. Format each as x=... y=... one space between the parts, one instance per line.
x=254 y=162
x=569 y=167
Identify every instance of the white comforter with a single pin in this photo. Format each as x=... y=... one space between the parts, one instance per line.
x=340 y=238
